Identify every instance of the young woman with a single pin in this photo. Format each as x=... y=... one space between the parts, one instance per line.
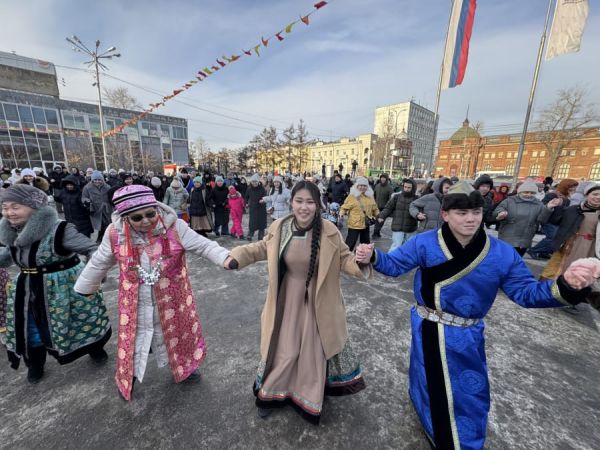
x=304 y=336
x=44 y=314
x=156 y=303
x=278 y=200
x=360 y=207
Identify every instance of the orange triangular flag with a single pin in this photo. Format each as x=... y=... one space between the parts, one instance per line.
x=305 y=19
x=265 y=42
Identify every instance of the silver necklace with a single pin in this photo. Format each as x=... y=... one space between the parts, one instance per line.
x=150 y=278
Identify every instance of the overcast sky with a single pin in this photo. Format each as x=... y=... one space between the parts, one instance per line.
x=355 y=55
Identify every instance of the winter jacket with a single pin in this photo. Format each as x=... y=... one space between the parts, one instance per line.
x=383 y=192
x=114 y=181
x=519 y=227
x=431 y=206
x=217 y=198
x=569 y=220
x=159 y=192
x=357 y=208
x=96 y=199
x=176 y=199
x=333 y=258
x=198 y=202
x=399 y=206
x=55 y=179
x=257 y=211
x=236 y=205
x=339 y=191
x=280 y=202
x=75 y=212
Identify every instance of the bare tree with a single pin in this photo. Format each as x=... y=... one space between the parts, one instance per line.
x=201 y=151
x=302 y=142
x=563 y=121
x=289 y=135
x=120 y=97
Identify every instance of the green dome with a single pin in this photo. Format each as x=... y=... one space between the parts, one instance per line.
x=465 y=132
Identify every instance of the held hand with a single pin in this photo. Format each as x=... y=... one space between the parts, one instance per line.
x=582 y=273
x=421 y=216
x=380 y=220
x=227 y=262
x=502 y=215
x=364 y=253
x=261 y=201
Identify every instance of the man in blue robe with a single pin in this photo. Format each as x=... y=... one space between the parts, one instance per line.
x=459 y=272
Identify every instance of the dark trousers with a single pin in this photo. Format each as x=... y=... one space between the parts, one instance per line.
x=221 y=221
x=101 y=232
x=353 y=236
x=377 y=228
x=261 y=234
x=520 y=250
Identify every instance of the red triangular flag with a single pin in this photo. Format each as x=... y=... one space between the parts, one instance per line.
x=319 y=5
x=215 y=68
x=265 y=42
x=177 y=91
x=305 y=19
x=221 y=63
x=278 y=36
x=247 y=52
x=188 y=85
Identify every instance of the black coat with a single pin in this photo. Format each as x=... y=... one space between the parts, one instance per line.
x=398 y=206
x=257 y=210
x=217 y=197
x=197 y=201
x=339 y=192
x=159 y=192
x=75 y=212
x=570 y=220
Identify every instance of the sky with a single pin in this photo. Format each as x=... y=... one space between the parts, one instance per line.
x=354 y=56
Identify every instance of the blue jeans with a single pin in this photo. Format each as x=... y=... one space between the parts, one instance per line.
x=400 y=238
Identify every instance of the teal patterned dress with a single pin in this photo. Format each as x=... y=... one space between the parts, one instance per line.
x=43 y=309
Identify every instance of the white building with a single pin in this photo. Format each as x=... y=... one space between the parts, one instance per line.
x=419 y=124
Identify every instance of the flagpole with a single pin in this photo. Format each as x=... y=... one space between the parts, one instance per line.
x=531 y=96
x=436 y=117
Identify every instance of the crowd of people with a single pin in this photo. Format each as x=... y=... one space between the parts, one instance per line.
x=145 y=224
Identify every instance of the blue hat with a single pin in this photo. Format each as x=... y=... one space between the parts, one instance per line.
x=97 y=175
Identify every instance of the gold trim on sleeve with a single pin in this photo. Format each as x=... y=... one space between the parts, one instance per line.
x=556 y=294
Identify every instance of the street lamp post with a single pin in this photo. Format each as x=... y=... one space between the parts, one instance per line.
x=95 y=61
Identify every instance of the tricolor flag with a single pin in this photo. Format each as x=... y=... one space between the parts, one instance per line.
x=457 y=42
x=567 y=27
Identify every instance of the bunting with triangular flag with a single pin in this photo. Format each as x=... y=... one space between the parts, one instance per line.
x=207 y=71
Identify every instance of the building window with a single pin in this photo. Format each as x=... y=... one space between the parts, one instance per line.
x=543 y=153
x=534 y=154
x=510 y=169
x=595 y=172
x=563 y=171
x=534 y=170
x=487 y=167
x=572 y=152
x=596 y=150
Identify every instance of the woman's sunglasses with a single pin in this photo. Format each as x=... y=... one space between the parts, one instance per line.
x=139 y=217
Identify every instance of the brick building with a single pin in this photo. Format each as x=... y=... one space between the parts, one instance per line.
x=466 y=153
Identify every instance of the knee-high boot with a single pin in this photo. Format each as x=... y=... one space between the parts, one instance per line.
x=35 y=363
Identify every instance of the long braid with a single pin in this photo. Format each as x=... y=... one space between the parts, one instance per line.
x=314 y=249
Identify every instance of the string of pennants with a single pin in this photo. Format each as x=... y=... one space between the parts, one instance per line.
x=220 y=63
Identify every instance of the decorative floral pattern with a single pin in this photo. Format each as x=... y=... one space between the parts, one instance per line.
x=182 y=331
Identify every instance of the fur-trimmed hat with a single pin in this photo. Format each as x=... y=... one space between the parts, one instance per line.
x=462 y=196
x=591 y=188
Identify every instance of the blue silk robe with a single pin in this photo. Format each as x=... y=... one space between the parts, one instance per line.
x=448 y=372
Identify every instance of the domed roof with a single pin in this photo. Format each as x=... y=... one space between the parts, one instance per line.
x=465 y=132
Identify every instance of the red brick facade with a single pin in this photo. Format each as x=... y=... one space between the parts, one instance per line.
x=466 y=153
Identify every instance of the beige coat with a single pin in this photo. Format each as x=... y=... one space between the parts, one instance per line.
x=334 y=257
